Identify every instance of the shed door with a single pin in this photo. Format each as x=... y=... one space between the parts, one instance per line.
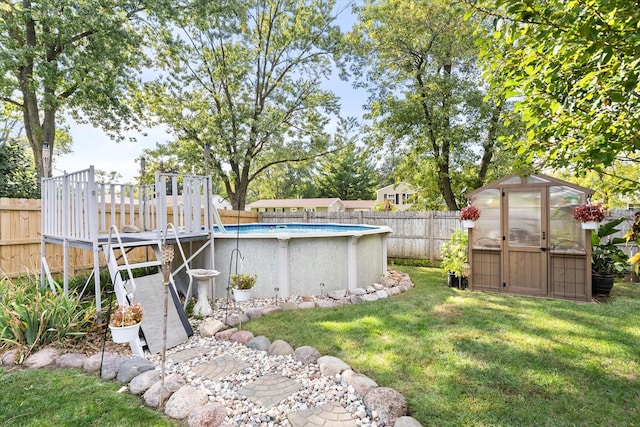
x=525 y=253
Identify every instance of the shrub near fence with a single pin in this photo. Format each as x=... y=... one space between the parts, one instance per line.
x=20 y=225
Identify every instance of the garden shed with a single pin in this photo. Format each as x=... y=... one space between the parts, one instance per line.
x=526 y=241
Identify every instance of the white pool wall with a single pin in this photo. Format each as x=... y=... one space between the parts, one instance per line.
x=297 y=264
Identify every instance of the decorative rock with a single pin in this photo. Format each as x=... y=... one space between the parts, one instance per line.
x=361 y=383
x=10 y=357
x=382 y=294
x=144 y=381
x=270 y=309
x=253 y=313
x=132 y=368
x=111 y=365
x=280 y=348
x=93 y=363
x=378 y=286
x=370 y=297
x=42 y=358
x=394 y=291
x=339 y=294
x=370 y=289
x=183 y=401
x=388 y=282
x=261 y=343
x=210 y=415
x=288 y=305
x=330 y=366
x=407 y=422
x=225 y=335
x=242 y=337
x=172 y=383
x=356 y=299
x=235 y=319
x=307 y=304
x=210 y=328
x=389 y=404
x=325 y=303
x=358 y=291
x=306 y=354
x=71 y=360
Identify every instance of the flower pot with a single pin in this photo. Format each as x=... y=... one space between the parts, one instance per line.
x=467 y=223
x=601 y=284
x=242 y=294
x=589 y=225
x=122 y=334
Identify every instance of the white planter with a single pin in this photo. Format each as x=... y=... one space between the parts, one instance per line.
x=242 y=294
x=467 y=223
x=122 y=334
x=590 y=225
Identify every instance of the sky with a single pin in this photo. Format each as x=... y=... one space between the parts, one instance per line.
x=93 y=147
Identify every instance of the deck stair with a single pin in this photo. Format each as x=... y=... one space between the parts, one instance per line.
x=148 y=291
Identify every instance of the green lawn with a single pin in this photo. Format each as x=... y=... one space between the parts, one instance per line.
x=471 y=358
x=65 y=397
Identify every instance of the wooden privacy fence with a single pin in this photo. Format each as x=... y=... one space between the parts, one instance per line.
x=417 y=235
x=20 y=234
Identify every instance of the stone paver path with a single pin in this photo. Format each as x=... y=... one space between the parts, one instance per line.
x=269 y=389
x=220 y=367
x=190 y=353
x=329 y=415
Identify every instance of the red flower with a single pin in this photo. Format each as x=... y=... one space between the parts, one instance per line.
x=470 y=213
x=587 y=212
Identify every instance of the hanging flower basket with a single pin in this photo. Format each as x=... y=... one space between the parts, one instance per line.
x=242 y=294
x=469 y=215
x=588 y=213
x=123 y=334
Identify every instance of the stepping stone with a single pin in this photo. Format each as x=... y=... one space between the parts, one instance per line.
x=329 y=415
x=220 y=367
x=269 y=389
x=189 y=353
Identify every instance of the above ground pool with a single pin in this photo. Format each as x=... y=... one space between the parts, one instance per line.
x=301 y=259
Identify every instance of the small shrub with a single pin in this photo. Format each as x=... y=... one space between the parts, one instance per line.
x=410 y=262
x=31 y=317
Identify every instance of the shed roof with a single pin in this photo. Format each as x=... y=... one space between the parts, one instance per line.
x=527 y=178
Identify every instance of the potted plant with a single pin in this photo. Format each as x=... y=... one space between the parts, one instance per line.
x=454 y=258
x=242 y=285
x=607 y=259
x=125 y=322
x=589 y=215
x=469 y=215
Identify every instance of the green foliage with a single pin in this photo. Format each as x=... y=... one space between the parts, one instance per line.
x=347 y=174
x=454 y=253
x=65 y=56
x=606 y=256
x=31 y=317
x=245 y=79
x=18 y=177
x=409 y=261
x=573 y=65
x=419 y=62
x=243 y=281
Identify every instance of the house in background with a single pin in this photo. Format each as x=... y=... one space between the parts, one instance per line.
x=399 y=195
x=297 y=205
x=359 y=205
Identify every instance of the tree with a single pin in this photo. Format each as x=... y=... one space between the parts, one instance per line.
x=573 y=66
x=67 y=56
x=419 y=62
x=244 y=78
x=347 y=174
x=18 y=177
